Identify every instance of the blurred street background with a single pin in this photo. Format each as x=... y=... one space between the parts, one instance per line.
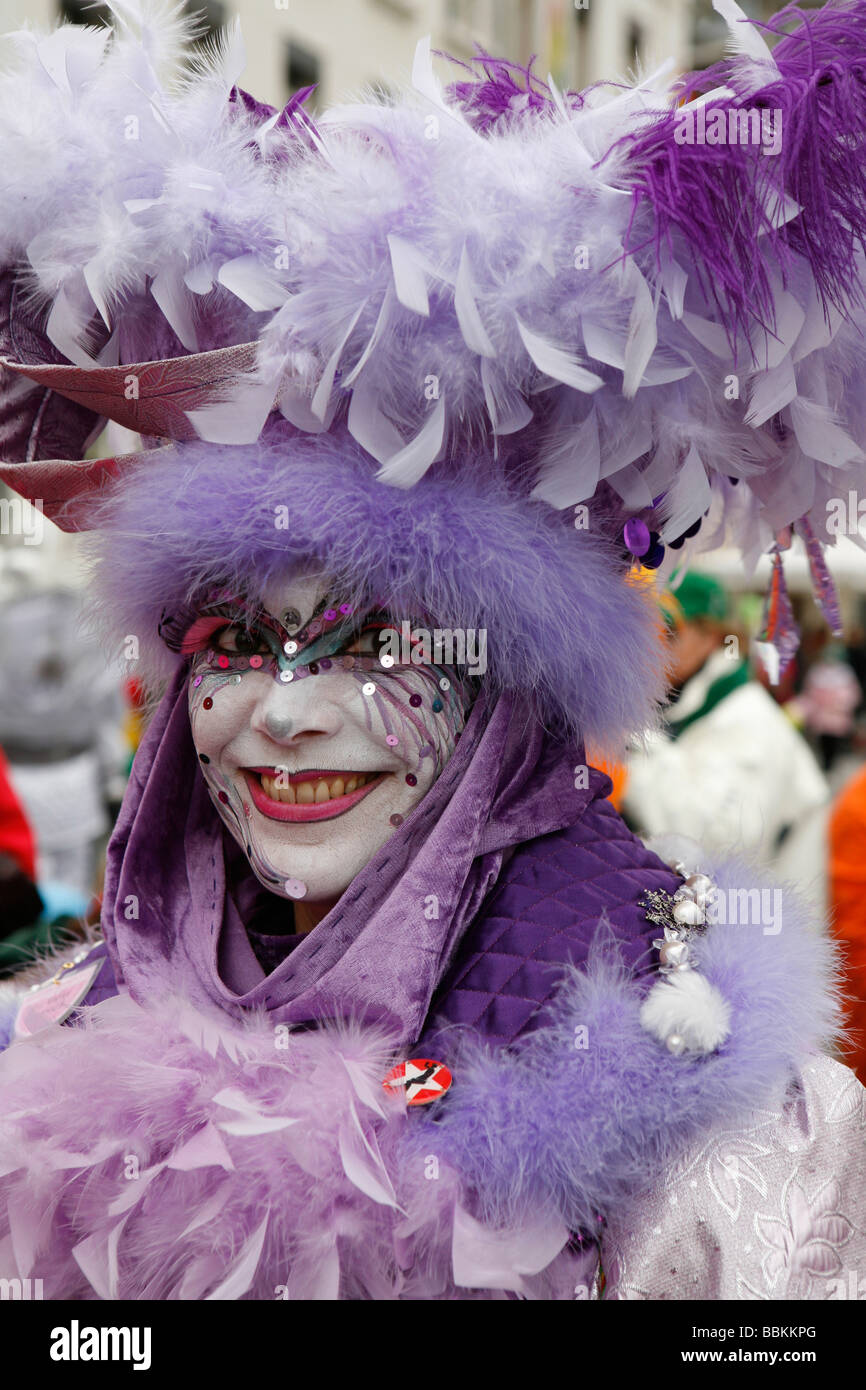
x=778 y=768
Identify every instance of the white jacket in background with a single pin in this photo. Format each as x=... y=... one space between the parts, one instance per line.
x=734 y=780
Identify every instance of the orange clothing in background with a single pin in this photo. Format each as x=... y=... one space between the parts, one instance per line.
x=617 y=774
x=848 y=905
x=16 y=837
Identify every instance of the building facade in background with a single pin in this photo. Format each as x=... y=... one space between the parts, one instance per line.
x=344 y=45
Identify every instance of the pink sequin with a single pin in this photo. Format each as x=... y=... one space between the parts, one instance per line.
x=255 y=662
x=392 y=740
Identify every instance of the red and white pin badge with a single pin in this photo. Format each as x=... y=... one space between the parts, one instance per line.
x=421 y=1080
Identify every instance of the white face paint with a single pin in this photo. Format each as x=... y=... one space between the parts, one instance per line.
x=313 y=752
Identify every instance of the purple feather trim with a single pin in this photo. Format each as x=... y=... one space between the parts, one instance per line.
x=717 y=196
x=232 y=1163
x=581 y=1129
x=502 y=89
x=565 y=626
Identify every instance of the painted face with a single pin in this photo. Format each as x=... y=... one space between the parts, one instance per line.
x=314 y=747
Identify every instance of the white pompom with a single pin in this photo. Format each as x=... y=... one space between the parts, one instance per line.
x=686 y=1004
x=673 y=849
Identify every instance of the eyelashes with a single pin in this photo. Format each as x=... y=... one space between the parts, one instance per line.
x=232 y=634
x=198 y=634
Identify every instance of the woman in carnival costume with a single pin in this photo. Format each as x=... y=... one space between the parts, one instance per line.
x=389 y=1003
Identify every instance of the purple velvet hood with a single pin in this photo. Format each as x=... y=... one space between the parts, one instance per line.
x=171 y=925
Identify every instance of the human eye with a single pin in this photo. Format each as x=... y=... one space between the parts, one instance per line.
x=237 y=640
x=366 y=640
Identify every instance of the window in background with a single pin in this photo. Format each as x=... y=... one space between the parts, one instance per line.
x=211 y=16
x=302 y=68
x=634 y=43
x=83 y=12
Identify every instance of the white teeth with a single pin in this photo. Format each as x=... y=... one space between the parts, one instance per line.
x=277 y=789
x=312 y=793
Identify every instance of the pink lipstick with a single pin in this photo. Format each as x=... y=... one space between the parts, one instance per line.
x=301 y=797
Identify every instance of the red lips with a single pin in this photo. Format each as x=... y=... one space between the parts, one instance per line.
x=312 y=810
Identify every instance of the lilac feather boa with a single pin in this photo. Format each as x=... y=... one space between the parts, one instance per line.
x=242 y=1161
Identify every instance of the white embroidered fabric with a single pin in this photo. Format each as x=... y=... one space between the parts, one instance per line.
x=775 y=1209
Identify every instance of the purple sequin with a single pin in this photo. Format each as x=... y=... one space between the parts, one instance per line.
x=636 y=535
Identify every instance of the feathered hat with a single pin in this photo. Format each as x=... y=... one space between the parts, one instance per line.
x=483 y=351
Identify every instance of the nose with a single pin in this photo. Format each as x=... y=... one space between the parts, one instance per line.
x=278 y=725
x=291 y=715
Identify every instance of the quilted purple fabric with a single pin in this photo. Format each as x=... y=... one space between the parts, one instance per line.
x=543 y=914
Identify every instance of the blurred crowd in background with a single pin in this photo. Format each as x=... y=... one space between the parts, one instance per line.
x=775 y=770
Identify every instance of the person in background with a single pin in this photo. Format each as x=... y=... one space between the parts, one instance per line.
x=729 y=769
x=847 y=889
x=20 y=903
x=831 y=694
x=61 y=714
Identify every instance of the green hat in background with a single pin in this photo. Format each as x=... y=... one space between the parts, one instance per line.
x=701 y=596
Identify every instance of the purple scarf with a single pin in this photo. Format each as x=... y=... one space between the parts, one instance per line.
x=172 y=926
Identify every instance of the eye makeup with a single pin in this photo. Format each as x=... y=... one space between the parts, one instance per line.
x=350 y=767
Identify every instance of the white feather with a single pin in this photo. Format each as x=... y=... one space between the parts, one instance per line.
x=473 y=330
x=252 y=282
x=374 y=339
x=412 y=462
x=631 y=487
x=425 y=81
x=673 y=280
x=688 y=498
x=686 y=1003
x=556 y=362
x=506 y=407
x=322 y=396
x=820 y=436
x=710 y=335
x=172 y=296
x=238 y=420
x=244 y=1269
x=373 y=430
x=410 y=279
x=642 y=335
x=771 y=392
x=744 y=37
x=571 y=470
x=67 y=324
x=771 y=348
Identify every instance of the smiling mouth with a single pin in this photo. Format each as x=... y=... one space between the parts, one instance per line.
x=308 y=796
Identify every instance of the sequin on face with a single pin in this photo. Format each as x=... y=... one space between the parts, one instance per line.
x=345 y=714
